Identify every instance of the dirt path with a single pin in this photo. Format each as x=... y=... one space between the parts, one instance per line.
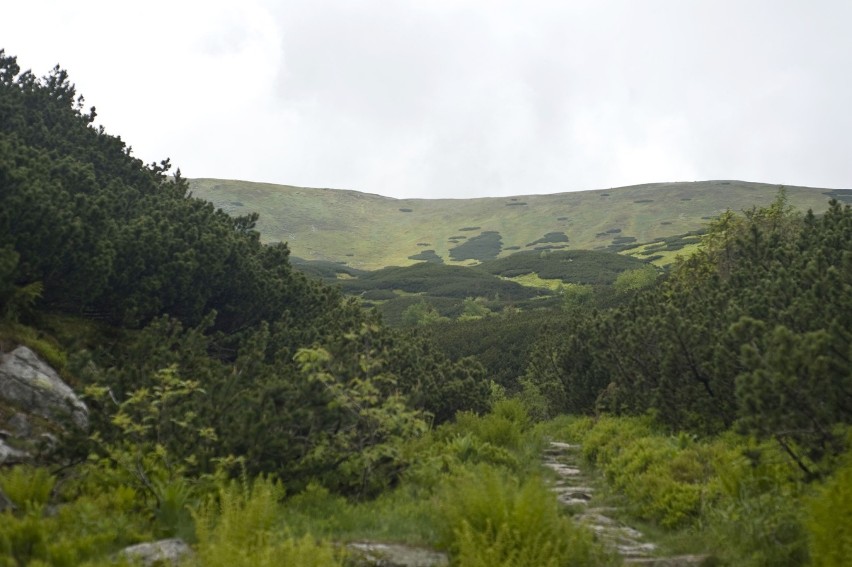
x=574 y=488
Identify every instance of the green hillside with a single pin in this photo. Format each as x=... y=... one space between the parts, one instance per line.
x=370 y=231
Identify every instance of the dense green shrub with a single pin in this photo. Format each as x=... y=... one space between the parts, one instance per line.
x=759 y=518
x=503 y=427
x=439 y=280
x=486 y=246
x=751 y=329
x=743 y=494
x=501 y=344
x=634 y=280
x=494 y=520
x=570 y=266
x=378 y=295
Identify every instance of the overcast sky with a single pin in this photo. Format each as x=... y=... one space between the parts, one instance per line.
x=461 y=98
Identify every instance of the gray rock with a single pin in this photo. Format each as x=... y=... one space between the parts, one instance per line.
x=629 y=543
x=374 y=554
x=162 y=552
x=19 y=425
x=30 y=384
x=10 y=455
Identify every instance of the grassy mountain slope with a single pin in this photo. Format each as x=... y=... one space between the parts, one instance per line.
x=370 y=231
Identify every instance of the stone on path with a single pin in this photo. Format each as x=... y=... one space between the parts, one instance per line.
x=162 y=552
x=572 y=489
x=374 y=554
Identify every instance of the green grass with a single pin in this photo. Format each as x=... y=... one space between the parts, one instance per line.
x=663 y=251
x=13 y=334
x=369 y=231
x=533 y=280
x=661 y=258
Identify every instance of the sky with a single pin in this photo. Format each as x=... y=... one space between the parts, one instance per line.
x=461 y=98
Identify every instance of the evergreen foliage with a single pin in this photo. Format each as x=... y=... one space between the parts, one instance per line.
x=211 y=328
x=752 y=330
x=486 y=246
x=570 y=266
x=500 y=344
x=439 y=281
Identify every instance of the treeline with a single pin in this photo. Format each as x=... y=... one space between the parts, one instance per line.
x=589 y=267
x=440 y=292
x=753 y=331
x=259 y=362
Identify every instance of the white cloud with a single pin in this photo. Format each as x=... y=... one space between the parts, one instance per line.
x=462 y=97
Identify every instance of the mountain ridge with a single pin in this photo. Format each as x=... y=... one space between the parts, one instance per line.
x=369 y=231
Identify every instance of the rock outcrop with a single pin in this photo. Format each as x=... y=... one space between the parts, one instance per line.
x=11 y=455
x=30 y=384
x=35 y=406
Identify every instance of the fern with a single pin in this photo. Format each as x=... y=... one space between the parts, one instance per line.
x=239 y=527
x=22 y=300
x=27 y=487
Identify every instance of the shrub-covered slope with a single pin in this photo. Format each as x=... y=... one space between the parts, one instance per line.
x=217 y=347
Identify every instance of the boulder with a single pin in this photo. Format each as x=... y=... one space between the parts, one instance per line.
x=19 y=425
x=376 y=554
x=31 y=385
x=162 y=552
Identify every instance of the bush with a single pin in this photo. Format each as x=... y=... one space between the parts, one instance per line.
x=486 y=246
x=604 y=440
x=491 y=520
x=87 y=528
x=503 y=427
x=829 y=520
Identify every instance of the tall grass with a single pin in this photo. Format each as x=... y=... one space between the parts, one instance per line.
x=241 y=526
x=492 y=519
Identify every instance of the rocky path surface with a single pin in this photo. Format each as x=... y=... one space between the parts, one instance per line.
x=574 y=488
